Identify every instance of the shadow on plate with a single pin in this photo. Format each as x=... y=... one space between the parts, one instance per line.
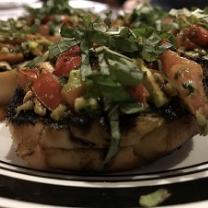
x=169 y=161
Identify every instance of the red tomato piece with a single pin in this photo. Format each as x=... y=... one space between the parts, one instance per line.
x=193 y=37
x=75 y=50
x=25 y=77
x=67 y=61
x=48 y=90
x=183 y=41
x=198 y=35
x=139 y=93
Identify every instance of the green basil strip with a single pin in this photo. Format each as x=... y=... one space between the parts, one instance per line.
x=61 y=46
x=115 y=134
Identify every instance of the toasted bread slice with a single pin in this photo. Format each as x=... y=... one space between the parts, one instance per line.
x=43 y=147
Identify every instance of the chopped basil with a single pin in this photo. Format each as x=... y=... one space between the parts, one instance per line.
x=153 y=47
x=105 y=86
x=70 y=32
x=116 y=73
x=110 y=83
x=122 y=69
x=132 y=108
x=146 y=15
x=63 y=45
x=145 y=44
x=189 y=86
x=85 y=67
x=113 y=116
x=37 y=60
x=185 y=17
x=121 y=39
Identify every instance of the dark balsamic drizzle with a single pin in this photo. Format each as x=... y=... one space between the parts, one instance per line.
x=173 y=110
x=31 y=117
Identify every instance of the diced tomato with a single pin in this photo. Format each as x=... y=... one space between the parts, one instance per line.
x=181 y=71
x=183 y=41
x=198 y=35
x=139 y=93
x=48 y=90
x=192 y=37
x=67 y=61
x=75 y=50
x=169 y=59
x=25 y=77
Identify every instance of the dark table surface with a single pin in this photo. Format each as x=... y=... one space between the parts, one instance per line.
x=181 y=3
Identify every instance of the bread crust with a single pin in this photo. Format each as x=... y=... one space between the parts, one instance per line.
x=8 y=82
x=43 y=147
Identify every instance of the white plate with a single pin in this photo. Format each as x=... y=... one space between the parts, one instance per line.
x=15 y=8
x=84 y=4
x=8 y=4
x=184 y=172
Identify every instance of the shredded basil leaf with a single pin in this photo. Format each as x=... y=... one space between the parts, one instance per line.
x=37 y=60
x=132 y=108
x=116 y=73
x=108 y=88
x=122 y=68
x=113 y=116
x=61 y=46
x=189 y=86
x=110 y=84
x=85 y=67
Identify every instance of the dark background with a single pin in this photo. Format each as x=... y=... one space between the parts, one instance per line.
x=181 y=3
x=165 y=3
